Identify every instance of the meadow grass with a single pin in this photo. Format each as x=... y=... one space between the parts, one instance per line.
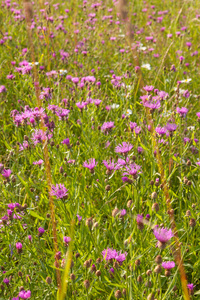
x=100 y=150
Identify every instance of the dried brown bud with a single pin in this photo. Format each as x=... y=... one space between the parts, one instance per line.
x=118 y=294
x=158 y=269
x=192 y=222
x=86 y=284
x=48 y=280
x=137 y=262
x=188 y=213
x=115 y=212
x=155 y=207
x=98 y=273
x=158 y=259
x=154 y=195
x=139 y=279
x=72 y=276
x=129 y=203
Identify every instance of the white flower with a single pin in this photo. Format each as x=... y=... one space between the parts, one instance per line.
x=191 y=128
x=146 y=66
x=62 y=72
x=186 y=80
x=128 y=112
x=34 y=63
x=114 y=106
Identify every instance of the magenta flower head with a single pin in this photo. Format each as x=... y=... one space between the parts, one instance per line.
x=110 y=254
x=182 y=111
x=25 y=295
x=79 y=218
x=191 y=286
x=168 y=265
x=66 y=142
x=41 y=231
x=163 y=235
x=171 y=127
x=107 y=126
x=6 y=173
x=140 y=222
x=90 y=164
x=19 y=247
x=60 y=191
x=30 y=238
x=66 y=240
x=198 y=116
x=124 y=148
x=6 y=281
x=148 y=88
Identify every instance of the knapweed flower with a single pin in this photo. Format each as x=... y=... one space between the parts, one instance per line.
x=132 y=170
x=25 y=294
x=168 y=265
x=191 y=286
x=39 y=162
x=163 y=235
x=124 y=148
x=41 y=231
x=198 y=116
x=2 y=89
x=6 y=173
x=19 y=247
x=90 y=164
x=79 y=218
x=6 y=281
x=171 y=127
x=182 y=111
x=81 y=105
x=107 y=126
x=109 y=254
x=110 y=166
x=66 y=142
x=59 y=190
x=140 y=221
x=66 y=240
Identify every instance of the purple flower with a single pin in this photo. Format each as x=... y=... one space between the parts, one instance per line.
x=18 y=245
x=81 y=105
x=123 y=212
x=171 y=127
x=6 y=173
x=161 y=130
x=6 y=281
x=59 y=190
x=2 y=89
x=90 y=164
x=41 y=231
x=25 y=295
x=133 y=125
x=132 y=170
x=110 y=165
x=79 y=218
x=163 y=235
x=148 y=88
x=112 y=270
x=66 y=240
x=167 y=265
x=39 y=162
x=66 y=142
x=107 y=126
x=124 y=148
x=182 y=111
x=198 y=115
x=113 y=254
x=30 y=238
x=191 y=286
x=140 y=150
